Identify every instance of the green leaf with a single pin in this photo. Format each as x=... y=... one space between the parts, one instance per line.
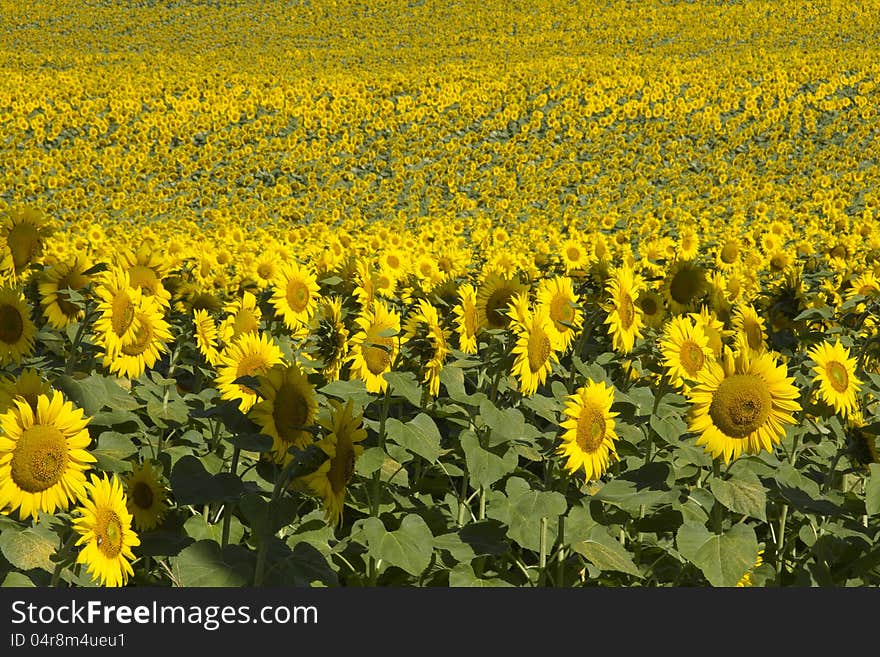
x=741 y=495
x=30 y=548
x=205 y=564
x=605 y=552
x=353 y=389
x=198 y=528
x=406 y=385
x=485 y=537
x=872 y=491
x=629 y=495
x=409 y=547
x=420 y=436
x=192 y=484
x=112 y=451
x=252 y=442
x=485 y=467
x=505 y=425
x=723 y=559
x=523 y=511
x=453 y=379
x=670 y=428
x=463 y=576
x=17 y=580
x=96 y=392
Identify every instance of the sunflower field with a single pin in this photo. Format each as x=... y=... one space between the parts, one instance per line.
x=456 y=294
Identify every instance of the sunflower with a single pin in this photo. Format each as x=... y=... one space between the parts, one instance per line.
x=251 y=354
x=54 y=282
x=375 y=347
x=684 y=286
x=467 y=321
x=242 y=316
x=342 y=446
x=140 y=353
x=117 y=322
x=146 y=496
x=589 y=438
x=728 y=254
x=206 y=336
x=330 y=337
x=575 y=257
x=286 y=410
x=713 y=328
x=29 y=385
x=296 y=294
x=835 y=372
x=557 y=295
x=427 y=342
x=685 y=349
x=105 y=532
x=146 y=268
x=23 y=234
x=624 y=316
x=265 y=271
x=749 y=327
x=653 y=307
x=534 y=351
x=688 y=246
x=17 y=330
x=43 y=455
x=741 y=405
x=493 y=297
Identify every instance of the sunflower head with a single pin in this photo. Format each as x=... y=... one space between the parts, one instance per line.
x=589 y=437
x=286 y=410
x=23 y=235
x=146 y=496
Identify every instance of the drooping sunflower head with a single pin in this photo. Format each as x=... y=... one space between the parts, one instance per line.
x=426 y=343
x=149 y=341
x=146 y=496
x=118 y=305
x=43 y=455
x=250 y=355
x=286 y=410
x=589 y=438
x=106 y=537
x=17 y=329
x=835 y=374
x=146 y=268
x=467 y=319
x=493 y=297
x=749 y=327
x=23 y=235
x=207 y=338
x=713 y=328
x=330 y=337
x=374 y=347
x=243 y=315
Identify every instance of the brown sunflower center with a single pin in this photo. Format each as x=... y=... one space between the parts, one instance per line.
x=108 y=532
x=142 y=495
x=470 y=320
x=265 y=271
x=626 y=310
x=290 y=413
x=393 y=261
x=754 y=335
x=39 y=458
x=143 y=337
x=590 y=429
x=740 y=405
x=686 y=285
x=692 y=357
x=573 y=254
x=539 y=349
x=837 y=375
x=341 y=466
x=11 y=324
x=496 y=306
x=648 y=305
x=377 y=351
x=24 y=244
x=297 y=295
x=729 y=253
x=122 y=313
x=561 y=312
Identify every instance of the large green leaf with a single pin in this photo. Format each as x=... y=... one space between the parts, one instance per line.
x=192 y=484
x=485 y=466
x=872 y=491
x=522 y=510
x=724 y=558
x=409 y=547
x=96 y=392
x=605 y=552
x=29 y=548
x=205 y=564
x=462 y=575
x=419 y=436
x=742 y=494
x=505 y=425
x=112 y=451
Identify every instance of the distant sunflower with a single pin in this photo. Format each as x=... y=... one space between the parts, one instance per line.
x=146 y=268
x=23 y=234
x=575 y=256
x=146 y=496
x=741 y=405
x=105 y=532
x=467 y=322
x=140 y=353
x=493 y=297
x=624 y=316
x=557 y=295
x=286 y=410
x=684 y=286
x=53 y=286
x=295 y=296
x=685 y=349
x=330 y=336
x=375 y=346
x=427 y=342
x=835 y=372
x=728 y=254
x=534 y=350
x=17 y=329
x=342 y=446
x=207 y=339
x=265 y=270
x=43 y=455
x=251 y=354
x=589 y=438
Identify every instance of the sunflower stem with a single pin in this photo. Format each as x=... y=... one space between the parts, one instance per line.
x=373 y=566
x=560 y=553
x=716 y=508
x=77 y=339
x=63 y=552
x=227 y=512
x=780 y=567
x=542 y=557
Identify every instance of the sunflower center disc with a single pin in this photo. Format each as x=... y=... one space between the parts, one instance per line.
x=573 y=254
x=648 y=306
x=539 y=350
x=495 y=307
x=626 y=311
x=142 y=495
x=341 y=466
x=378 y=358
x=108 y=531
x=250 y=365
x=685 y=286
x=561 y=311
x=754 y=335
x=39 y=458
x=740 y=405
x=24 y=242
x=729 y=253
x=143 y=336
x=297 y=295
x=837 y=376
x=122 y=314
x=11 y=324
x=590 y=429
x=692 y=358
x=75 y=281
x=290 y=413
x=265 y=271
x=470 y=320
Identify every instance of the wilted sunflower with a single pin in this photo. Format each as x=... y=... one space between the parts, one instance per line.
x=28 y=385
x=54 y=282
x=467 y=323
x=741 y=405
x=375 y=346
x=23 y=234
x=146 y=496
x=342 y=446
x=251 y=354
x=534 y=350
x=17 y=329
x=624 y=316
x=295 y=296
x=557 y=295
x=140 y=352
x=206 y=336
x=685 y=349
x=286 y=410
x=493 y=297
x=330 y=337
x=684 y=286
x=589 y=438
x=427 y=343
x=106 y=534
x=43 y=455
x=835 y=372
